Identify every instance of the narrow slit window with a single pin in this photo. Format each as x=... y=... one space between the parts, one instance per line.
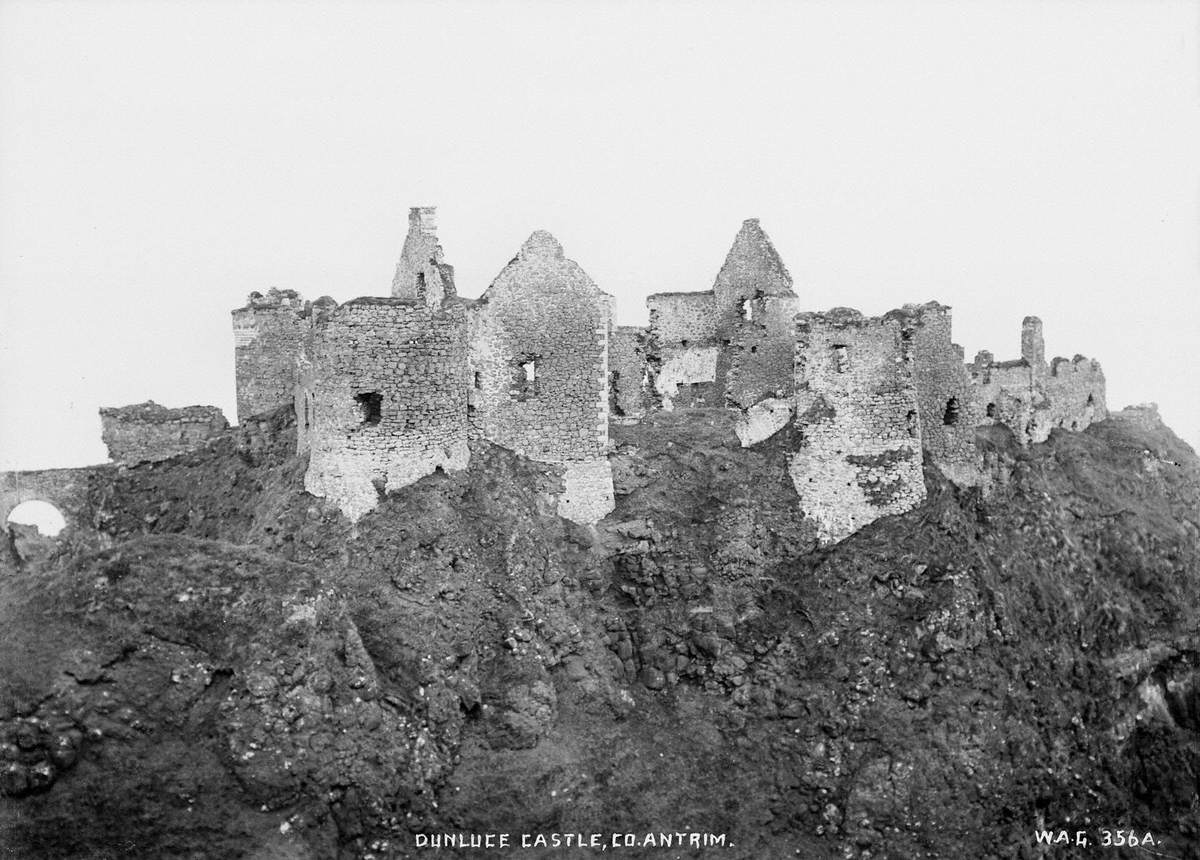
x=950 y=417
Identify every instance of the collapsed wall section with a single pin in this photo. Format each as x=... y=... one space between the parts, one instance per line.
x=759 y=351
x=946 y=406
x=683 y=348
x=382 y=398
x=1075 y=393
x=856 y=409
x=268 y=336
x=1032 y=397
x=148 y=432
x=539 y=370
x=628 y=374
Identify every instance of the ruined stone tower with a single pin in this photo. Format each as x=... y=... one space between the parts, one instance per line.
x=856 y=408
x=268 y=333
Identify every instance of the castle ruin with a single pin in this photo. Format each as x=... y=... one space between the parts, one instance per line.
x=388 y=389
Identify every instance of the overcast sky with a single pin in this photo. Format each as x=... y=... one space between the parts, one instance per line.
x=160 y=160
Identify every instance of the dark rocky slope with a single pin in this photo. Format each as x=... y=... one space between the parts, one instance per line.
x=221 y=666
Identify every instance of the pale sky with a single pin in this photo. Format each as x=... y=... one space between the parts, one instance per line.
x=160 y=160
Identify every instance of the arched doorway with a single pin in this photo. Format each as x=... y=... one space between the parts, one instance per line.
x=48 y=519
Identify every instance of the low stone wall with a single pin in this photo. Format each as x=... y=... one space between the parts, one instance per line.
x=147 y=432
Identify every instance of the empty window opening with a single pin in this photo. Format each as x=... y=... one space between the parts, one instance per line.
x=370 y=406
x=747 y=310
x=524 y=377
x=46 y=518
x=951 y=415
x=307 y=411
x=478 y=380
x=911 y=422
x=420 y=285
x=683 y=343
x=754 y=349
x=991 y=410
x=1091 y=401
x=841 y=357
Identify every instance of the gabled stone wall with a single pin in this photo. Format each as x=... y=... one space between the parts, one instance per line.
x=147 y=432
x=540 y=373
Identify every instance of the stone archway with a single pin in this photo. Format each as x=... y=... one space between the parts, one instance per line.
x=39 y=513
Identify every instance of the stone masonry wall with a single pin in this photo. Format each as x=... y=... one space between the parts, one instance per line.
x=540 y=372
x=1075 y=393
x=946 y=406
x=382 y=399
x=147 y=432
x=761 y=351
x=1032 y=397
x=732 y=345
x=268 y=335
x=682 y=349
x=628 y=373
x=856 y=408
x=755 y=308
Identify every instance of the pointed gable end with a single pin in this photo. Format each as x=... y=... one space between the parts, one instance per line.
x=752 y=268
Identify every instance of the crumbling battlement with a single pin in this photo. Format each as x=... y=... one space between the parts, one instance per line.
x=387 y=390
x=1032 y=397
x=147 y=432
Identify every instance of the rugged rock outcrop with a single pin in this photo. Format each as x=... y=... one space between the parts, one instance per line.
x=211 y=663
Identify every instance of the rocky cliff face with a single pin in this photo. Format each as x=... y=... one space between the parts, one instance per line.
x=220 y=665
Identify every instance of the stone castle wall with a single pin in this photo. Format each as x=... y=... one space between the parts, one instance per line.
x=682 y=349
x=629 y=395
x=946 y=406
x=1031 y=397
x=382 y=399
x=148 y=432
x=539 y=369
x=387 y=390
x=856 y=407
x=761 y=349
x=268 y=334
